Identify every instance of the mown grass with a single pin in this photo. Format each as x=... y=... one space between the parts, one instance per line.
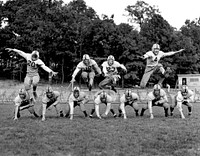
x=136 y=136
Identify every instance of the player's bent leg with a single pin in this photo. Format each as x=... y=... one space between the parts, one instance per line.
x=84 y=76
x=189 y=105
x=59 y=111
x=92 y=111
x=36 y=80
x=32 y=111
x=83 y=109
x=144 y=108
x=91 y=80
x=145 y=78
x=27 y=83
x=103 y=84
x=136 y=108
x=166 y=108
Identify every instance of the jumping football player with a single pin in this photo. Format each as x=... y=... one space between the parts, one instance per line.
x=33 y=63
x=87 y=67
x=153 y=57
x=111 y=74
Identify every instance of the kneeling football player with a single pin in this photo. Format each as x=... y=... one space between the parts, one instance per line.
x=51 y=99
x=23 y=101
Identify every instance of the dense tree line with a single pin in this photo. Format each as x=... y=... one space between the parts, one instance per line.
x=62 y=33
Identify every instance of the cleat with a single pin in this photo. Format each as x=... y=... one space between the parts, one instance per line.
x=120 y=114
x=115 y=115
x=90 y=116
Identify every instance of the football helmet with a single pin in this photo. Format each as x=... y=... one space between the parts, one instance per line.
x=86 y=59
x=156 y=90
x=22 y=93
x=76 y=92
x=156 y=48
x=35 y=55
x=49 y=92
x=110 y=60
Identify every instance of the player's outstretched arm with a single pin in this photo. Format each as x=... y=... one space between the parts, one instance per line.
x=21 y=53
x=173 y=52
x=16 y=111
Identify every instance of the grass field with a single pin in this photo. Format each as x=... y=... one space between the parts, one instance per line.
x=136 y=136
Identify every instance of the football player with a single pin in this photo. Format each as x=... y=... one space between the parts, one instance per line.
x=33 y=63
x=23 y=101
x=153 y=57
x=51 y=99
x=77 y=98
x=103 y=97
x=184 y=97
x=87 y=67
x=129 y=98
x=157 y=97
x=111 y=74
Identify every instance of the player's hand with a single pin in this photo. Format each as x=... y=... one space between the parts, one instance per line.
x=9 y=49
x=43 y=118
x=73 y=80
x=15 y=119
x=151 y=116
x=180 y=50
x=54 y=73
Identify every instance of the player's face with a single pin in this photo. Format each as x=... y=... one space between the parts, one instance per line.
x=34 y=57
x=103 y=99
x=110 y=62
x=184 y=93
x=156 y=92
x=22 y=96
x=49 y=94
x=128 y=98
x=86 y=62
x=156 y=51
x=76 y=94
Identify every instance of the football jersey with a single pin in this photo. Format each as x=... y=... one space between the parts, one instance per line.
x=134 y=97
x=18 y=101
x=32 y=66
x=189 y=96
x=54 y=98
x=111 y=69
x=162 y=96
x=82 y=97
x=87 y=68
x=152 y=59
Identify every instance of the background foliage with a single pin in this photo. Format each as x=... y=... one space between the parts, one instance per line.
x=62 y=33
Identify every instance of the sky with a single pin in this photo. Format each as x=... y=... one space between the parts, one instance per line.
x=174 y=11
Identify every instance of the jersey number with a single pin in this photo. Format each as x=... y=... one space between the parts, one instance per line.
x=110 y=69
x=31 y=64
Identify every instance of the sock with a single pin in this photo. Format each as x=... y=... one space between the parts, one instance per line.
x=136 y=112
x=85 y=113
x=142 y=112
x=166 y=112
x=92 y=111
x=112 y=111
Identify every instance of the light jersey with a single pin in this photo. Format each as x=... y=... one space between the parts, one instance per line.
x=134 y=97
x=109 y=98
x=32 y=66
x=18 y=101
x=87 y=68
x=189 y=96
x=152 y=59
x=162 y=96
x=110 y=70
x=82 y=98
x=54 y=98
